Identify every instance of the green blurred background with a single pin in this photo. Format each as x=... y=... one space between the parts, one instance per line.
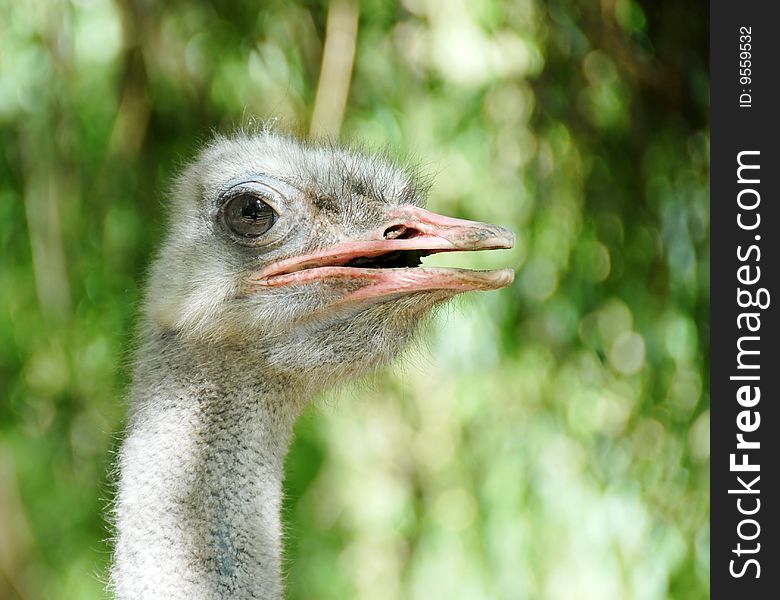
x=547 y=441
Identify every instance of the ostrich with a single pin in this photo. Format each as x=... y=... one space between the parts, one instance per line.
x=287 y=268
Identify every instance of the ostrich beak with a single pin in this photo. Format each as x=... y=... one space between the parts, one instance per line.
x=386 y=262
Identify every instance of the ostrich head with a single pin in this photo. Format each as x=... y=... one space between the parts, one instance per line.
x=286 y=268
x=305 y=256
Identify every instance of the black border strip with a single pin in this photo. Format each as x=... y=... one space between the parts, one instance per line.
x=743 y=120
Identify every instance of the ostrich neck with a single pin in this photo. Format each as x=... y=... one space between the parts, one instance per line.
x=201 y=468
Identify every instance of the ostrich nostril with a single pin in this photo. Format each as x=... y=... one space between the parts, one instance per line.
x=400 y=232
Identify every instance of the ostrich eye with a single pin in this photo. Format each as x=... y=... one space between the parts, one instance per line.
x=248 y=216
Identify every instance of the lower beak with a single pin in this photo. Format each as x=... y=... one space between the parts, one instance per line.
x=381 y=261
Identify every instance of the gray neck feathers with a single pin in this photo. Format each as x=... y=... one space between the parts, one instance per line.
x=201 y=470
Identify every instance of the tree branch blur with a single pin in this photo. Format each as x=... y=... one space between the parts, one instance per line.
x=338 y=57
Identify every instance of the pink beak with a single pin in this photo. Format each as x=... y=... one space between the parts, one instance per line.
x=408 y=230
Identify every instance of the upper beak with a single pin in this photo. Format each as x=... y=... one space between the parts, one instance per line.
x=407 y=228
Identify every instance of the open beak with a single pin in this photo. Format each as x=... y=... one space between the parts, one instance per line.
x=386 y=262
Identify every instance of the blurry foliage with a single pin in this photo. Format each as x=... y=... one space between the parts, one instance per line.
x=554 y=443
